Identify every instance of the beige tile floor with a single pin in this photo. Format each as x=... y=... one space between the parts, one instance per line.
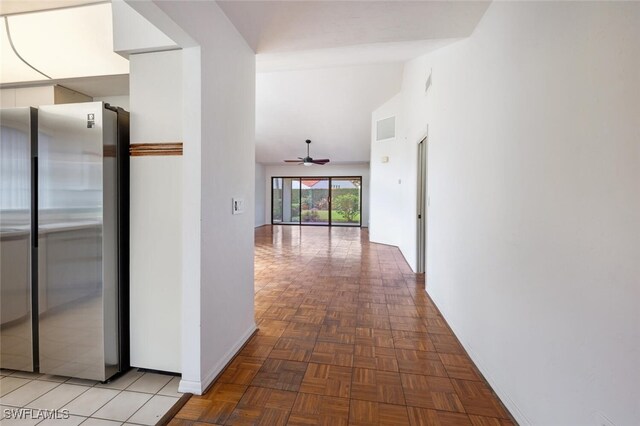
x=136 y=398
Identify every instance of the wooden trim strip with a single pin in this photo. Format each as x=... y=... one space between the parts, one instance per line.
x=155 y=149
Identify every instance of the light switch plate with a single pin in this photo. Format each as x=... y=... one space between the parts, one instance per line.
x=237 y=206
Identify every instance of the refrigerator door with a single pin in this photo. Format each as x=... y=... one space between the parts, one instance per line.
x=17 y=143
x=77 y=234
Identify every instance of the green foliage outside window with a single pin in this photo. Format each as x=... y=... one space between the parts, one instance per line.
x=348 y=205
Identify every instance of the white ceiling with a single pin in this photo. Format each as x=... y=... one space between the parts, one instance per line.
x=324 y=66
x=330 y=106
x=277 y=26
x=9 y=7
x=347 y=55
x=63 y=43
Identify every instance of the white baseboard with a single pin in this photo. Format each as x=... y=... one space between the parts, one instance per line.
x=187 y=386
x=198 y=388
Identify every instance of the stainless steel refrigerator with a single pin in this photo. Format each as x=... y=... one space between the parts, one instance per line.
x=64 y=205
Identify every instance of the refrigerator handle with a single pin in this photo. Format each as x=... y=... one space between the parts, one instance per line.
x=35 y=303
x=34 y=202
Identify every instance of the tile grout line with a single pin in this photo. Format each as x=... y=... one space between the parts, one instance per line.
x=25 y=406
x=149 y=400
x=24 y=384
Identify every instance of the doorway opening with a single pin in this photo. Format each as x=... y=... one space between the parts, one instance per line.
x=328 y=201
x=422 y=207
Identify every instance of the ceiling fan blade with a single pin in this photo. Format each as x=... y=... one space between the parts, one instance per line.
x=291 y=161
x=321 y=161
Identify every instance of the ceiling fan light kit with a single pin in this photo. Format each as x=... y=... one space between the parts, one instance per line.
x=308 y=161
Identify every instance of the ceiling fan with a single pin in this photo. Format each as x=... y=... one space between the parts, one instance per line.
x=308 y=161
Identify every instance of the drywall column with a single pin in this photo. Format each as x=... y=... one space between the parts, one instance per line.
x=156 y=94
x=191 y=226
x=219 y=295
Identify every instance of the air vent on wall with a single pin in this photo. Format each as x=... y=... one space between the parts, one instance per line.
x=386 y=128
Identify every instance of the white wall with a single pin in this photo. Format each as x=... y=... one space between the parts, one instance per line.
x=326 y=171
x=534 y=217
x=156 y=212
x=219 y=299
x=388 y=212
x=261 y=194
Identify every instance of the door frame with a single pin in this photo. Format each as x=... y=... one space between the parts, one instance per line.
x=421 y=206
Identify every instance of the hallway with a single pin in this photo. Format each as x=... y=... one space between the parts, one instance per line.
x=346 y=336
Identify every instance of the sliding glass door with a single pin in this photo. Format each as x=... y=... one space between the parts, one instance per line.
x=345 y=201
x=316 y=201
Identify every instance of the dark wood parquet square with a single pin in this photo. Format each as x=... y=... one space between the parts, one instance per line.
x=420 y=362
x=332 y=353
x=242 y=370
x=366 y=413
x=377 y=385
x=298 y=330
x=310 y=409
x=293 y=349
x=280 y=374
x=260 y=406
x=331 y=380
x=374 y=337
x=259 y=346
x=338 y=334
x=430 y=392
x=412 y=340
x=375 y=358
x=425 y=417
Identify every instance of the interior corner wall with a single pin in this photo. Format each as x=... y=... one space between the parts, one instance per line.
x=156 y=212
x=325 y=171
x=260 y=199
x=534 y=216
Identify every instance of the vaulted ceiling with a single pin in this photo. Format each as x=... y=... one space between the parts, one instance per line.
x=330 y=106
x=277 y=26
x=324 y=66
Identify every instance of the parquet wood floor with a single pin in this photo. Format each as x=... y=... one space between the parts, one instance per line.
x=347 y=336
